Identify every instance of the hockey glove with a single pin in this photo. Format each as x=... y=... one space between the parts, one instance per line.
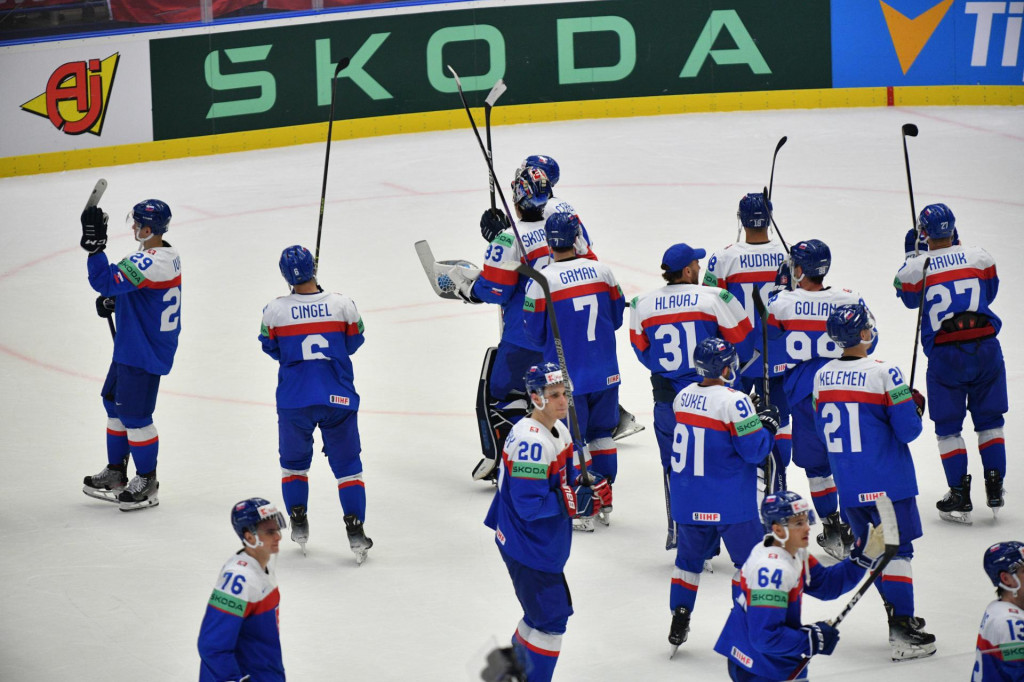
x=919 y=401
x=784 y=276
x=769 y=416
x=571 y=498
x=821 y=637
x=105 y=306
x=463 y=280
x=492 y=223
x=867 y=554
x=603 y=492
x=94 y=230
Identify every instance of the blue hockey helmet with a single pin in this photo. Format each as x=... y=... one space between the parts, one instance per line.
x=297 y=265
x=562 y=230
x=713 y=355
x=779 y=507
x=753 y=211
x=1004 y=556
x=846 y=322
x=539 y=377
x=937 y=221
x=248 y=514
x=813 y=256
x=152 y=213
x=545 y=163
x=531 y=189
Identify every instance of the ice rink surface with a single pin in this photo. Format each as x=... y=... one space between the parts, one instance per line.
x=90 y=593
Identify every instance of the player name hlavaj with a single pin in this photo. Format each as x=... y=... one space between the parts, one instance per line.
x=675 y=301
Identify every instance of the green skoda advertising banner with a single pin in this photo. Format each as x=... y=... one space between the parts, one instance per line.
x=242 y=80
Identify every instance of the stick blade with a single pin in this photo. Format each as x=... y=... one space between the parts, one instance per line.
x=97 y=193
x=890 y=527
x=497 y=91
x=342 y=64
x=454 y=75
x=782 y=141
x=910 y=130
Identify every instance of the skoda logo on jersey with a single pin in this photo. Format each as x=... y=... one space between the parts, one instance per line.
x=76 y=96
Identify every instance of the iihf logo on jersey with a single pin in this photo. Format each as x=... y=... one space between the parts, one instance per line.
x=76 y=96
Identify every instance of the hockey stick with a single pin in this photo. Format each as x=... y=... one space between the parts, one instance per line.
x=574 y=424
x=492 y=97
x=771 y=179
x=490 y=168
x=671 y=539
x=94 y=200
x=891 y=530
x=342 y=63
x=762 y=312
x=771 y=216
x=920 y=315
x=910 y=130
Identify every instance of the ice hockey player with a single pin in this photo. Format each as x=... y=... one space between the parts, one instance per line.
x=764 y=638
x=538 y=493
x=719 y=444
x=588 y=304
x=866 y=415
x=965 y=360
x=313 y=334
x=666 y=323
x=143 y=292
x=240 y=638
x=739 y=268
x=797 y=320
x=999 y=656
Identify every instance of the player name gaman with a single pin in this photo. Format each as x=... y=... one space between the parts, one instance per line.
x=570 y=276
x=832 y=377
x=302 y=312
x=675 y=301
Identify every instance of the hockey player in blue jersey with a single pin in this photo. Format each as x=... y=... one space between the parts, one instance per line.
x=146 y=286
x=313 y=334
x=866 y=415
x=764 y=638
x=718 y=443
x=530 y=514
x=999 y=655
x=796 y=322
x=740 y=268
x=589 y=305
x=665 y=324
x=966 y=371
x=239 y=638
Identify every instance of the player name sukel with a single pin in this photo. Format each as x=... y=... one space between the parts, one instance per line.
x=815 y=308
x=835 y=377
x=947 y=260
x=570 y=276
x=675 y=301
x=302 y=312
x=694 y=402
x=761 y=260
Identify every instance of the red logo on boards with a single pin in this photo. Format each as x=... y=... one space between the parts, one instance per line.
x=76 y=96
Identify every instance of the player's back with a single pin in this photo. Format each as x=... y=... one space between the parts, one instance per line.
x=499 y=282
x=149 y=318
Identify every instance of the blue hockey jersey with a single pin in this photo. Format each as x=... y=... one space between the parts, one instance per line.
x=527 y=514
x=865 y=415
x=999 y=654
x=313 y=337
x=959 y=279
x=147 y=285
x=240 y=634
x=588 y=305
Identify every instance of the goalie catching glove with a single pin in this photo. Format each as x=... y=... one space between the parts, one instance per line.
x=460 y=282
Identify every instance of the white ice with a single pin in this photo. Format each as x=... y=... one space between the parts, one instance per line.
x=91 y=593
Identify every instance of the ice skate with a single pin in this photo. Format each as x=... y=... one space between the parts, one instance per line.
x=357 y=540
x=956 y=506
x=486 y=470
x=106 y=485
x=908 y=639
x=627 y=425
x=994 y=491
x=834 y=535
x=680 y=628
x=300 y=526
x=583 y=524
x=140 y=493
x=708 y=568
x=605 y=516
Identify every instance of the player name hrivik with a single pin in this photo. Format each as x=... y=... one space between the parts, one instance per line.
x=947 y=260
x=675 y=301
x=833 y=377
x=302 y=312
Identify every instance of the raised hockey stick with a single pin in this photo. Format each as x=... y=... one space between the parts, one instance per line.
x=771 y=216
x=762 y=312
x=492 y=97
x=94 y=199
x=920 y=317
x=574 y=423
x=891 y=530
x=771 y=178
x=342 y=63
x=910 y=130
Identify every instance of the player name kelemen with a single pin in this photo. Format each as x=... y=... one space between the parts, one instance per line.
x=846 y=378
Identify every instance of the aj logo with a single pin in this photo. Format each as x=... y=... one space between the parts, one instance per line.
x=909 y=36
x=76 y=95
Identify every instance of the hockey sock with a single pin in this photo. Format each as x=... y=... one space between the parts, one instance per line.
x=295 y=488
x=684 y=589
x=117 y=444
x=993 y=449
x=953 y=452
x=783 y=448
x=737 y=589
x=541 y=651
x=823 y=495
x=144 y=444
x=605 y=456
x=352 y=494
x=896 y=586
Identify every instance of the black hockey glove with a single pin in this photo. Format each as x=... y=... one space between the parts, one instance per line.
x=94 y=230
x=492 y=223
x=769 y=416
x=822 y=638
x=104 y=306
